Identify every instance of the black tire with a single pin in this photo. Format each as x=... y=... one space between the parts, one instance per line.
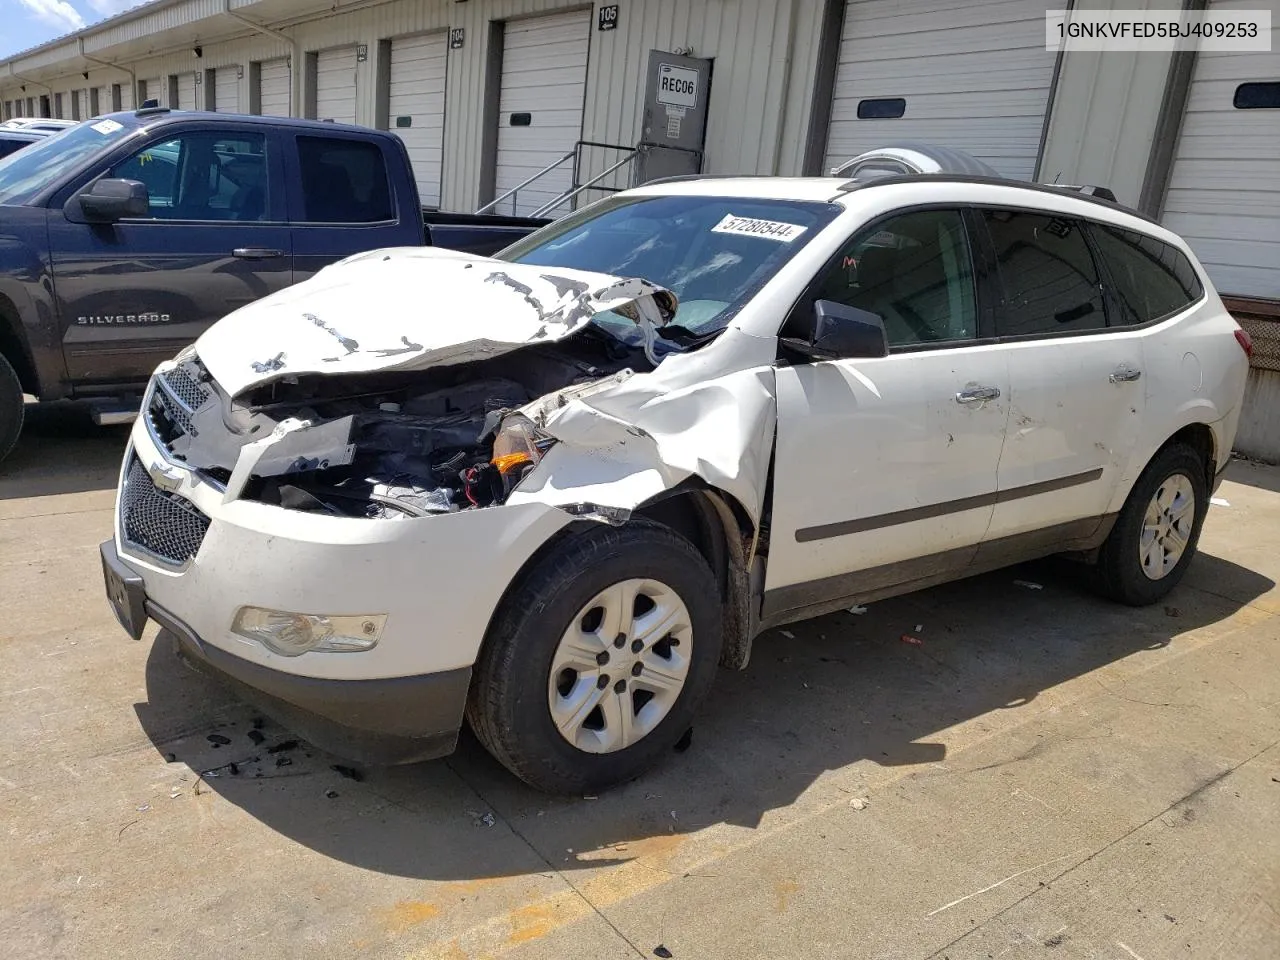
x=1119 y=573
x=12 y=407
x=508 y=707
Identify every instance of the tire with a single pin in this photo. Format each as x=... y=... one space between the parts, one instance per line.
x=12 y=407
x=1120 y=573
x=520 y=677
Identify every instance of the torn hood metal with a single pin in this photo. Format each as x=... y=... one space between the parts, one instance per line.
x=415 y=307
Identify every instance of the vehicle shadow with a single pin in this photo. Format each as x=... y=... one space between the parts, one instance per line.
x=61 y=450
x=817 y=697
x=1255 y=474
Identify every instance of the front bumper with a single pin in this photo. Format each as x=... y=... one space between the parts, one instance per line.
x=383 y=721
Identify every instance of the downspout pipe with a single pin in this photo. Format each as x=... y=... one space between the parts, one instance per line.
x=133 y=77
x=295 y=46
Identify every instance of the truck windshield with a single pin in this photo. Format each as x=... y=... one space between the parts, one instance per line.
x=27 y=172
x=713 y=253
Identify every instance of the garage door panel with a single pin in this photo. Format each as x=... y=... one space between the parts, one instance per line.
x=187 y=91
x=273 y=89
x=975 y=78
x=336 y=85
x=418 y=69
x=226 y=92
x=1224 y=188
x=543 y=74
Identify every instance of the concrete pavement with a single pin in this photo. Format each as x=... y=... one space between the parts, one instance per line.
x=1046 y=774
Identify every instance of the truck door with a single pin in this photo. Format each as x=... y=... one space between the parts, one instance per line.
x=133 y=293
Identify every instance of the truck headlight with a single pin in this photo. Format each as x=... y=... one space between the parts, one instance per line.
x=293 y=634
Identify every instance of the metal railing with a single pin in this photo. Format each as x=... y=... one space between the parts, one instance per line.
x=575 y=188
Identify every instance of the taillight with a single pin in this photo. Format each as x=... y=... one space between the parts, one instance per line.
x=1245 y=341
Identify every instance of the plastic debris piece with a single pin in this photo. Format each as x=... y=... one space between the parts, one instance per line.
x=1219 y=502
x=488 y=820
x=859 y=803
x=143 y=807
x=914 y=641
x=1030 y=585
x=590 y=796
x=857 y=609
x=175 y=793
x=919 y=628
x=788 y=634
x=663 y=952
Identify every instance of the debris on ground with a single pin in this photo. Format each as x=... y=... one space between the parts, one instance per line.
x=859 y=803
x=331 y=794
x=283 y=747
x=351 y=773
x=218 y=740
x=257 y=736
x=1172 y=612
x=663 y=952
x=175 y=793
x=488 y=820
x=914 y=641
x=1219 y=502
x=284 y=761
x=170 y=758
x=788 y=634
x=857 y=609
x=143 y=807
x=1028 y=584
x=919 y=628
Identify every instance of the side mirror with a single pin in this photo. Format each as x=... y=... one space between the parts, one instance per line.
x=839 y=332
x=110 y=200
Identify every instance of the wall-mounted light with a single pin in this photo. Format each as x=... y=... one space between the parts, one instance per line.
x=85 y=74
x=198 y=51
x=239 y=73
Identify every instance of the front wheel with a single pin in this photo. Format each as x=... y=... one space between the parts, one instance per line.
x=12 y=407
x=1156 y=534
x=597 y=660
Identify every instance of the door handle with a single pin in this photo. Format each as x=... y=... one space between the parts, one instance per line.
x=256 y=253
x=977 y=394
x=1124 y=374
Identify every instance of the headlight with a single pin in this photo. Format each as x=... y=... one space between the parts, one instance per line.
x=518 y=445
x=293 y=634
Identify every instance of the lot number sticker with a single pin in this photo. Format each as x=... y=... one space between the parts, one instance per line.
x=106 y=126
x=677 y=86
x=750 y=227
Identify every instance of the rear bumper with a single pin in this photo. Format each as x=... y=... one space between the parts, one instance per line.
x=390 y=720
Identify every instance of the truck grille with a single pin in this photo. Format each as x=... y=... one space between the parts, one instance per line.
x=163 y=524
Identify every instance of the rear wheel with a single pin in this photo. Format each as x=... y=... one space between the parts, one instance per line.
x=1156 y=534
x=12 y=407
x=597 y=660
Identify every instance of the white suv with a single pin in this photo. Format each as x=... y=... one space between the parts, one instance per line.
x=553 y=499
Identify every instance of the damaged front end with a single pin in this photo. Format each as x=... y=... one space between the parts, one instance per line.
x=388 y=445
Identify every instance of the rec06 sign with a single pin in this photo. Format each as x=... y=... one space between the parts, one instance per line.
x=677 y=86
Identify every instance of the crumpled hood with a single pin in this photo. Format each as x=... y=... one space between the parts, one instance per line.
x=414 y=307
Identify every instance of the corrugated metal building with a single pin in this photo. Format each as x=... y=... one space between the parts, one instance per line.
x=486 y=92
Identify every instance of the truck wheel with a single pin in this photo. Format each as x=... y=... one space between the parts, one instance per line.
x=1156 y=534
x=12 y=407
x=597 y=660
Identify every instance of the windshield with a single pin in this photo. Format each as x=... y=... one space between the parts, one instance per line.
x=714 y=253
x=27 y=172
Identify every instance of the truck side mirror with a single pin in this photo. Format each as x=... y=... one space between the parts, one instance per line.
x=109 y=200
x=840 y=332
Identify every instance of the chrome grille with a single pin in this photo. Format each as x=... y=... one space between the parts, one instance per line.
x=162 y=524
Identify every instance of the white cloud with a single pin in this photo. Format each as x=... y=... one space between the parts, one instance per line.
x=109 y=8
x=58 y=13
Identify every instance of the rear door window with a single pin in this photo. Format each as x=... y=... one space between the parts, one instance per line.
x=1149 y=279
x=1050 y=280
x=343 y=181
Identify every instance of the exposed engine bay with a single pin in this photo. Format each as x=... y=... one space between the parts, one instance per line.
x=382 y=445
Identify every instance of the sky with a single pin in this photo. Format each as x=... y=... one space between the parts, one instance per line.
x=29 y=23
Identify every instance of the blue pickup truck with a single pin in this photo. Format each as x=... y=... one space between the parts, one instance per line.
x=124 y=237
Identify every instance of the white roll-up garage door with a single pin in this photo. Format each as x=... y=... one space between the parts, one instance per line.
x=971 y=76
x=1224 y=189
x=226 y=90
x=544 y=81
x=104 y=100
x=336 y=85
x=126 y=95
x=417 y=106
x=186 y=91
x=273 y=92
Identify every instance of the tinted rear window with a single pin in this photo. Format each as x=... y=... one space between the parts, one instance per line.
x=1049 y=277
x=1149 y=278
x=343 y=181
